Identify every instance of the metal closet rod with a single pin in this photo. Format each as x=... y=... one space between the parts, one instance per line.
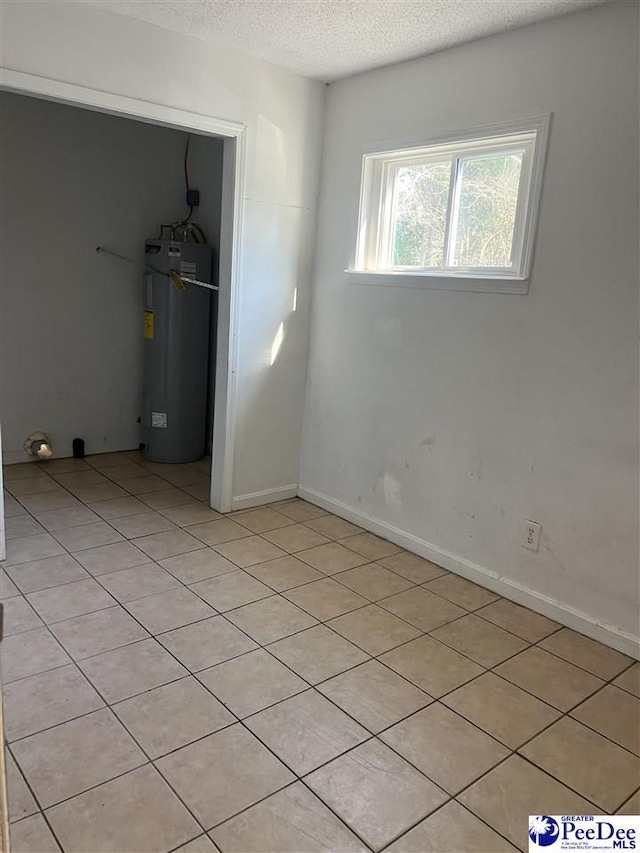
x=104 y=251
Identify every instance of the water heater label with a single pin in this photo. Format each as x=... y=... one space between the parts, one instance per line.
x=187 y=269
x=159 y=419
x=148 y=325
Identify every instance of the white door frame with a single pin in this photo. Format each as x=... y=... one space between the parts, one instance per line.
x=235 y=141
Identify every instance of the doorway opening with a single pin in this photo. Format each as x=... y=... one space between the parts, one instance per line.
x=75 y=367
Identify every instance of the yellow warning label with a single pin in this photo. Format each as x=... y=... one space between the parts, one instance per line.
x=148 y=325
x=178 y=282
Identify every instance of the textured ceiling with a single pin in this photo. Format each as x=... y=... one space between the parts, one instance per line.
x=328 y=39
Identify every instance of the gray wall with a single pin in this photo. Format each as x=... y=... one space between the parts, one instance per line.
x=449 y=418
x=70 y=348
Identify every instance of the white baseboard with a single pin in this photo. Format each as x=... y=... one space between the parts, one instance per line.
x=13 y=457
x=566 y=615
x=266 y=497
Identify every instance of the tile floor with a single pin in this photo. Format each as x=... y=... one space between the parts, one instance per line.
x=280 y=680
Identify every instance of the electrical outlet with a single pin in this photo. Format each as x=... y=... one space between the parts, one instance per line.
x=530 y=535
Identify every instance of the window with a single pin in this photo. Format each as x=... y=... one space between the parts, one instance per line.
x=459 y=209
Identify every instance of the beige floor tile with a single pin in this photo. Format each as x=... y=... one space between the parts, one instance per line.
x=481 y=641
x=21 y=801
x=33 y=486
x=111 y=558
x=373 y=581
x=412 y=567
x=23 y=471
x=293 y=820
x=19 y=616
x=295 y=537
x=49 y=760
x=30 y=548
x=325 y=599
x=223 y=774
x=317 y=653
x=374 y=629
x=270 y=619
x=206 y=643
x=518 y=620
x=49 y=501
x=422 y=609
x=160 y=546
x=332 y=558
x=130 y=670
x=165 y=611
x=100 y=461
x=219 y=531
x=172 y=716
x=630 y=680
x=249 y=551
x=42 y=574
x=71 y=516
x=32 y=835
x=125 y=471
x=333 y=527
x=64 y=466
x=432 y=666
x=376 y=792
x=507 y=795
x=451 y=828
x=261 y=520
x=632 y=806
x=284 y=573
x=138 y=582
x=7 y=587
x=370 y=546
x=587 y=762
x=29 y=653
x=99 y=492
x=19 y=526
x=374 y=695
x=306 y=731
x=119 y=508
x=615 y=714
x=461 y=592
x=142 y=524
x=70 y=599
x=166 y=498
x=202 y=844
x=74 y=479
x=549 y=678
x=11 y=506
x=47 y=699
x=300 y=510
x=137 y=811
x=585 y=653
x=188 y=515
x=251 y=682
x=449 y=750
x=199 y=491
x=231 y=590
x=501 y=709
x=198 y=565
x=144 y=485
x=184 y=475
x=94 y=633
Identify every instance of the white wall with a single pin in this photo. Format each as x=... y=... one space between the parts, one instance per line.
x=283 y=114
x=443 y=419
x=71 y=343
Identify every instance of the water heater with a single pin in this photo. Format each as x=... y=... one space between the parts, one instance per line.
x=176 y=352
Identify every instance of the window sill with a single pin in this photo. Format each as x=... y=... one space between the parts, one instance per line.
x=438 y=282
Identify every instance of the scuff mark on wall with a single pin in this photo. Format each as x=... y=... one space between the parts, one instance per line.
x=429 y=442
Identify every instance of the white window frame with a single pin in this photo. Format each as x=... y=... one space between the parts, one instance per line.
x=372 y=262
